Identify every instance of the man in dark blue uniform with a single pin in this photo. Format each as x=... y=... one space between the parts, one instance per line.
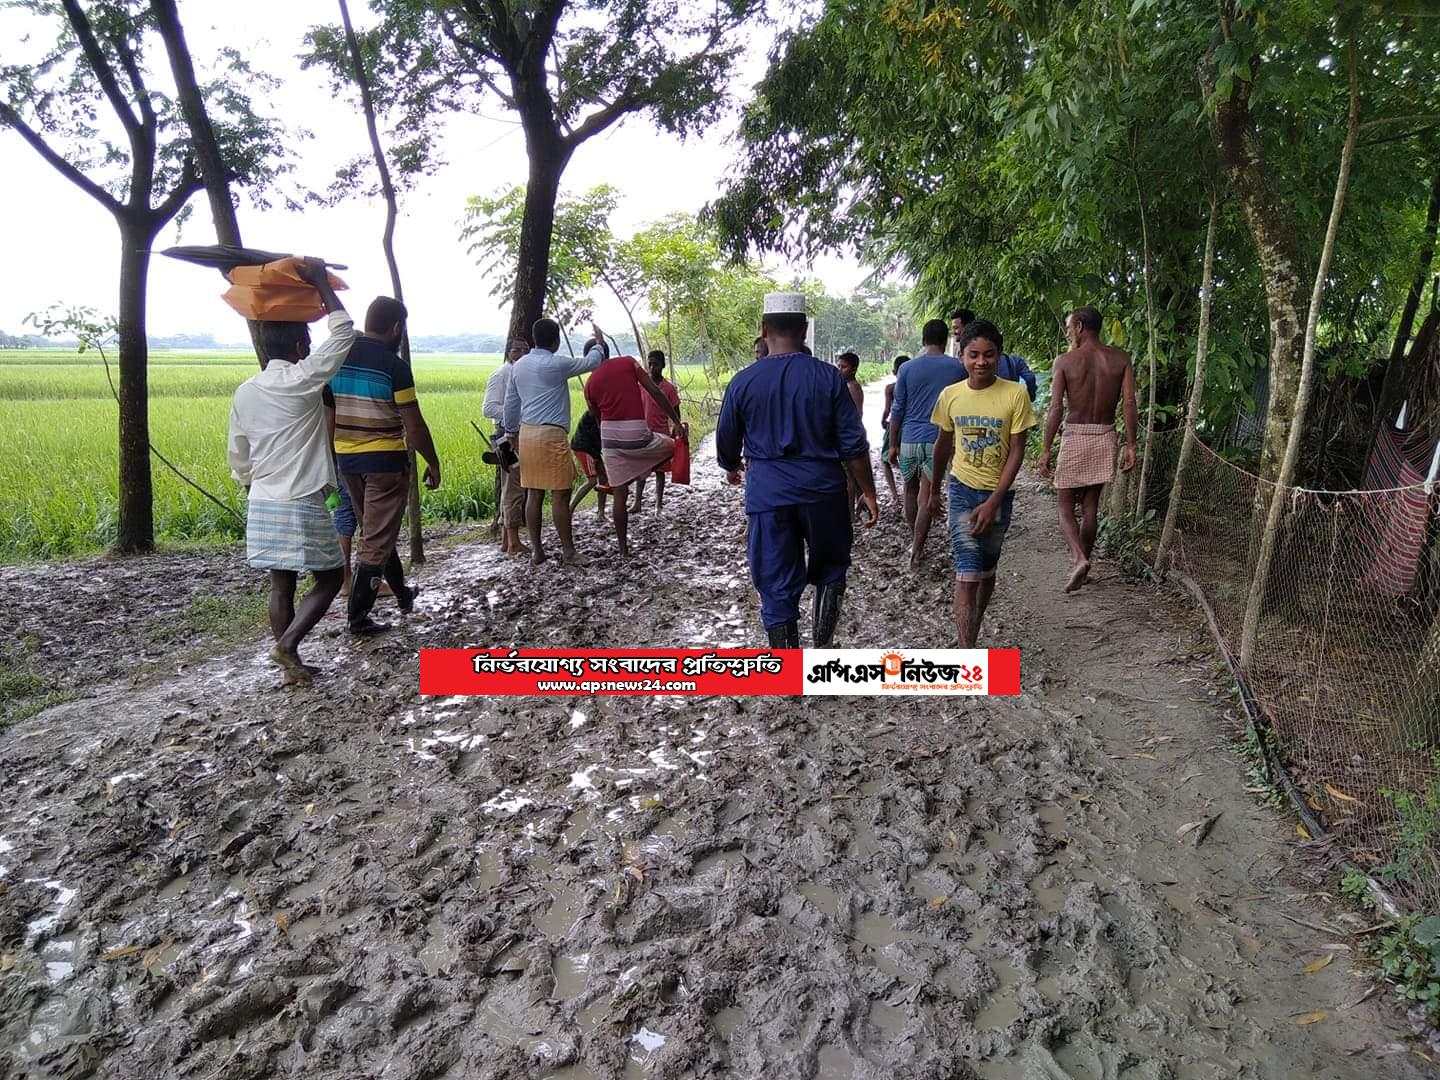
x=791 y=418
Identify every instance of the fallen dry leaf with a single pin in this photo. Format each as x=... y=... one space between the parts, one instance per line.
x=309 y=809
x=952 y=840
x=152 y=956
x=121 y=952
x=637 y=874
x=1081 y=796
x=1147 y=757
x=1336 y=793
x=1315 y=965
x=1189 y=826
x=7 y=962
x=282 y=921
x=1311 y=1018
x=1302 y=832
x=937 y=902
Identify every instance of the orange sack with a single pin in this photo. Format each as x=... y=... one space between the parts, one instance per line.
x=680 y=463
x=275 y=292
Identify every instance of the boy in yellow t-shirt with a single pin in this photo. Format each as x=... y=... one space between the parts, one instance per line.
x=983 y=421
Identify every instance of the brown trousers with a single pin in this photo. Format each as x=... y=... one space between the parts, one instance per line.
x=379 y=500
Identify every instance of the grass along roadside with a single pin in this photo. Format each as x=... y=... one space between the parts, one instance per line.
x=58 y=486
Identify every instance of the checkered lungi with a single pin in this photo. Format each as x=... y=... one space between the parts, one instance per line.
x=1087 y=456
x=292 y=534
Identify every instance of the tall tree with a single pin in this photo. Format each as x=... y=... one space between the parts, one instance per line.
x=139 y=163
x=215 y=171
x=569 y=71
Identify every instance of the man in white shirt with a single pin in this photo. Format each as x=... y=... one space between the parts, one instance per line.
x=537 y=405
x=510 y=497
x=280 y=450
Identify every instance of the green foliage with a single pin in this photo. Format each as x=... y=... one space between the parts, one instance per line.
x=1249 y=748
x=1417 y=831
x=1410 y=955
x=1129 y=540
x=1356 y=888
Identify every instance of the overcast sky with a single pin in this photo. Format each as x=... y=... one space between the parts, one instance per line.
x=64 y=247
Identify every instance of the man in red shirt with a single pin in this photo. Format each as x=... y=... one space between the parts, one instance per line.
x=615 y=394
x=658 y=422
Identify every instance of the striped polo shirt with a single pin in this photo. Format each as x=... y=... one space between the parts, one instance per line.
x=367 y=394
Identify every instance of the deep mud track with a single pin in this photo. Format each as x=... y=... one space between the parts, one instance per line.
x=208 y=876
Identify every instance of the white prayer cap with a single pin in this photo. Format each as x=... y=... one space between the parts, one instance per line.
x=784 y=303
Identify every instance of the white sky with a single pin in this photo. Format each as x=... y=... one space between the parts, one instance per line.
x=63 y=245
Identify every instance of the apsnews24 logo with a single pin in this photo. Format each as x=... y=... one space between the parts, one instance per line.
x=927 y=669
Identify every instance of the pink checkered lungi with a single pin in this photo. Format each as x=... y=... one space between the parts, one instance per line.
x=1087 y=456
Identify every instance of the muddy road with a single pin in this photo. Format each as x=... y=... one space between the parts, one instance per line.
x=205 y=875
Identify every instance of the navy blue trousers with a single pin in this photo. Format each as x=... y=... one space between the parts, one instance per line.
x=795 y=546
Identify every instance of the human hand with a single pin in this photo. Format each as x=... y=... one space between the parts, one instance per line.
x=1045 y=465
x=983 y=516
x=312 y=271
x=894 y=456
x=1127 y=460
x=733 y=476
x=596 y=332
x=432 y=476
x=872 y=508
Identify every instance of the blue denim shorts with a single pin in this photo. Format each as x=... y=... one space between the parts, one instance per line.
x=345 y=513
x=976 y=556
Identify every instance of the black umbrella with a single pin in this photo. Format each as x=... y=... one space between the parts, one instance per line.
x=225 y=257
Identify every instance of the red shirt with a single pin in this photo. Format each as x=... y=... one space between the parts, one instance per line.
x=613 y=390
x=655 y=418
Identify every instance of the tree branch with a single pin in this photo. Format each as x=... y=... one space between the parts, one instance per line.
x=10 y=118
x=627 y=101
x=189 y=183
x=101 y=66
x=132 y=72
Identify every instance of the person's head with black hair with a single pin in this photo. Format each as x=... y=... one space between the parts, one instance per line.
x=959 y=319
x=784 y=331
x=849 y=364
x=934 y=334
x=901 y=359
x=546 y=334
x=979 y=349
x=656 y=360
x=1083 y=323
x=288 y=341
x=762 y=350
x=518 y=348
x=595 y=343
x=385 y=320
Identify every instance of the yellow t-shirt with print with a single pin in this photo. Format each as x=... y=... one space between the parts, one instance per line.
x=984 y=422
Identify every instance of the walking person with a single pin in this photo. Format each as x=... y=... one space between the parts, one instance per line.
x=848 y=364
x=885 y=431
x=279 y=449
x=982 y=423
x=537 y=405
x=657 y=421
x=1089 y=384
x=511 y=495
x=615 y=393
x=376 y=415
x=790 y=417
x=913 y=433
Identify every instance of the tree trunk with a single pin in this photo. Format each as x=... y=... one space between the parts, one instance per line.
x=1197 y=388
x=1260 y=580
x=1392 y=388
x=202 y=137
x=135 y=529
x=1150 y=353
x=548 y=158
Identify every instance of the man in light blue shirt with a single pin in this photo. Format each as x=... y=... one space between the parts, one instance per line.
x=912 y=435
x=537 y=405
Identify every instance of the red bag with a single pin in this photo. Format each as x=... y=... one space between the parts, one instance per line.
x=680 y=463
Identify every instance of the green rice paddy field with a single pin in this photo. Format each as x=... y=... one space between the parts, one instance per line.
x=58 y=479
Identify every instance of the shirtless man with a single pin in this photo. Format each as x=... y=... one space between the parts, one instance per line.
x=849 y=365
x=1085 y=391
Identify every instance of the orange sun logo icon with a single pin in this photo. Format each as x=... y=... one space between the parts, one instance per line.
x=893 y=660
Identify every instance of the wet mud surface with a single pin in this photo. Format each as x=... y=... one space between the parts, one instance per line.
x=206 y=875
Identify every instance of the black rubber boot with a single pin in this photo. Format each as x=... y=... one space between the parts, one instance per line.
x=827 y=613
x=364 y=587
x=395 y=577
x=784 y=635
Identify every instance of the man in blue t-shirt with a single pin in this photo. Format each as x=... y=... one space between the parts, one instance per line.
x=1013 y=368
x=912 y=435
x=789 y=417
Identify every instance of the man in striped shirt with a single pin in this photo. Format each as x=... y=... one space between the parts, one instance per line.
x=374 y=415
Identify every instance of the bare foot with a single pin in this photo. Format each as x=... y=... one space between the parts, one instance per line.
x=569 y=558
x=290 y=663
x=295 y=678
x=914 y=562
x=368 y=627
x=537 y=556
x=1078 y=576
x=519 y=549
